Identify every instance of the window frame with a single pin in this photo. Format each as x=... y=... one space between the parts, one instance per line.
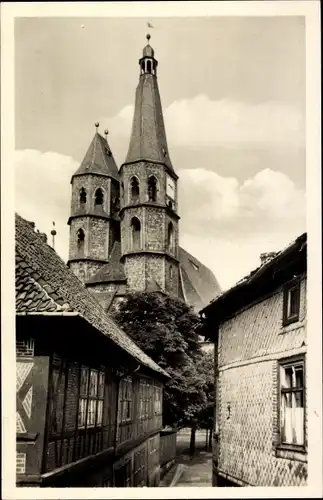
x=87 y=399
x=123 y=391
x=298 y=360
x=294 y=284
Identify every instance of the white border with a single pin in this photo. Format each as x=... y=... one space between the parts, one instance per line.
x=311 y=10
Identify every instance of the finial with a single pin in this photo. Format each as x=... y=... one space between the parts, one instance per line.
x=97 y=125
x=148 y=37
x=106 y=132
x=53 y=233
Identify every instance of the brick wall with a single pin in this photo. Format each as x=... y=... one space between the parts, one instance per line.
x=84 y=270
x=143 y=171
x=250 y=347
x=90 y=183
x=135 y=272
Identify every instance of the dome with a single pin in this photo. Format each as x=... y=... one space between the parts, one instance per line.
x=148 y=51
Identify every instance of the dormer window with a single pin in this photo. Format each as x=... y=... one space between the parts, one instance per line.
x=152 y=188
x=291 y=303
x=135 y=191
x=82 y=196
x=98 y=197
x=195 y=266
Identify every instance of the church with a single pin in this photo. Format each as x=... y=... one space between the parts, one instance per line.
x=124 y=222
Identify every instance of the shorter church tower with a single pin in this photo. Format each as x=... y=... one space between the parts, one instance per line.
x=94 y=222
x=149 y=206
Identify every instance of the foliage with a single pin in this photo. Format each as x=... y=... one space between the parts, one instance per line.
x=164 y=328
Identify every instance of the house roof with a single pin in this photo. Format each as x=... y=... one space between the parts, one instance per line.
x=148 y=137
x=281 y=267
x=99 y=159
x=45 y=284
x=198 y=283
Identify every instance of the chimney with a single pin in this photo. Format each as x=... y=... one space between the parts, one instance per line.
x=265 y=257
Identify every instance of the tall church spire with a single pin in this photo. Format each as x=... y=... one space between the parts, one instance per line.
x=148 y=137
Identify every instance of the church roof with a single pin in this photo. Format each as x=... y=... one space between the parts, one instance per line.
x=45 y=284
x=99 y=159
x=113 y=271
x=148 y=137
x=198 y=283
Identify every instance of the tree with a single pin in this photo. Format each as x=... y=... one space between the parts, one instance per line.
x=164 y=328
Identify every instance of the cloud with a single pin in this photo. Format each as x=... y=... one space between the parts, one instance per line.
x=202 y=122
x=225 y=223
x=43 y=191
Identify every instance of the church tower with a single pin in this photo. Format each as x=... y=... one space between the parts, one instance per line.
x=149 y=207
x=94 y=222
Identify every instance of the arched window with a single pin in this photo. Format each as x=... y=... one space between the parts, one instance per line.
x=82 y=196
x=143 y=66
x=171 y=272
x=170 y=238
x=149 y=66
x=80 y=240
x=98 y=197
x=135 y=233
x=152 y=188
x=135 y=192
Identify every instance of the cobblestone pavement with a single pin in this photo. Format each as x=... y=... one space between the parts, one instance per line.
x=197 y=468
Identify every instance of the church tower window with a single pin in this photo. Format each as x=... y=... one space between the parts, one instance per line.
x=135 y=233
x=135 y=191
x=148 y=66
x=80 y=240
x=170 y=238
x=99 y=197
x=82 y=196
x=152 y=188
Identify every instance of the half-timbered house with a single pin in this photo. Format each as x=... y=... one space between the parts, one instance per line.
x=259 y=331
x=89 y=401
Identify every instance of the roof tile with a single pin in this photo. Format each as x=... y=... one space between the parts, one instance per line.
x=31 y=249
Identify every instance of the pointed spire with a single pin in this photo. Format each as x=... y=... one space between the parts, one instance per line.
x=148 y=137
x=98 y=158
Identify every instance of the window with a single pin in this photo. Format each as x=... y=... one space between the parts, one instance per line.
x=135 y=191
x=80 y=240
x=170 y=237
x=152 y=188
x=135 y=233
x=170 y=272
x=158 y=401
x=292 y=403
x=125 y=400
x=149 y=66
x=291 y=302
x=82 y=196
x=91 y=398
x=98 y=197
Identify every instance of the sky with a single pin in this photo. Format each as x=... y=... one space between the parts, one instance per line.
x=233 y=95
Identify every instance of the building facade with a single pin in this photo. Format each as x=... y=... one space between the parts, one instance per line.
x=124 y=223
x=259 y=331
x=89 y=401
